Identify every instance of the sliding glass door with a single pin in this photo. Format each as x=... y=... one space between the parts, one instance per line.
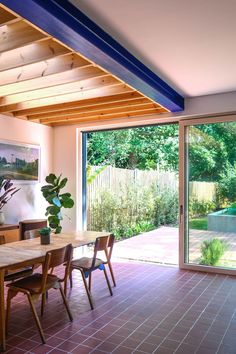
x=208 y=194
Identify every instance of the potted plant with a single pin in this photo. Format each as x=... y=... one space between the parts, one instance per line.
x=6 y=193
x=57 y=200
x=45 y=235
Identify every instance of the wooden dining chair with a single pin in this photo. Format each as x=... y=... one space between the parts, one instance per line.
x=27 y=225
x=11 y=275
x=38 y=284
x=31 y=234
x=108 y=253
x=87 y=265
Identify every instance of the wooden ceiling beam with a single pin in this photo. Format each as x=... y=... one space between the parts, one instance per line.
x=107 y=117
x=62 y=20
x=6 y=17
x=100 y=114
x=18 y=34
x=122 y=97
x=94 y=81
x=107 y=89
x=9 y=78
x=36 y=52
x=92 y=108
x=69 y=74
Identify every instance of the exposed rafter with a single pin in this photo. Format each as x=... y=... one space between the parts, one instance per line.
x=44 y=80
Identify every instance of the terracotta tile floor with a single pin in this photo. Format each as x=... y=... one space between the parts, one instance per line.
x=154 y=309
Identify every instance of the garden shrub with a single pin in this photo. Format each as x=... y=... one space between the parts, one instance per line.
x=199 y=208
x=132 y=210
x=166 y=208
x=212 y=250
x=226 y=187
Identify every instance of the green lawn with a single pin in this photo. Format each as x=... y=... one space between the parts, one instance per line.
x=198 y=223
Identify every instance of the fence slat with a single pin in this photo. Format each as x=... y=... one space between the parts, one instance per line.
x=116 y=179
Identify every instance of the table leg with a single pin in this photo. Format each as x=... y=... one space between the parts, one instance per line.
x=2 y=313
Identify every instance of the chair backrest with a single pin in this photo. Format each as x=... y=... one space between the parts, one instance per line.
x=101 y=244
x=30 y=234
x=110 y=245
x=2 y=240
x=56 y=258
x=27 y=225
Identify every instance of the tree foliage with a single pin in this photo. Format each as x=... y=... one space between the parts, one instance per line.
x=211 y=149
x=142 y=148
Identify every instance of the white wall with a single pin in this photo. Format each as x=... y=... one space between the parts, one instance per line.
x=67 y=151
x=28 y=202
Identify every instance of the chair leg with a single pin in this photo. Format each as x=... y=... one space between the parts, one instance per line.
x=112 y=274
x=71 y=280
x=87 y=291
x=90 y=281
x=108 y=283
x=10 y=295
x=66 y=304
x=43 y=302
x=65 y=286
x=36 y=318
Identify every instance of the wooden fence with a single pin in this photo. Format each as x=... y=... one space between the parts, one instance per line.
x=114 y=179
x=117 y=180
x=202 y=190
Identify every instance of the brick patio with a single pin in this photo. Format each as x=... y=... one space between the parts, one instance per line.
x=162 y=246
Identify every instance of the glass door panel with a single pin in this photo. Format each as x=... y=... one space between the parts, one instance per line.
x=209 y=185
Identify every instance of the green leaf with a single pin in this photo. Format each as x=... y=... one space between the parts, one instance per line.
x=46 y=188
x=59 y=215
x=57 y=182
x=67 y=202
x=65 y=195
x=63 y=183
x=53 y=210
x=49 y=198
x=56 y=201
x=51 y=178
x=45 y=231
x=53 y=221
x=58 y=230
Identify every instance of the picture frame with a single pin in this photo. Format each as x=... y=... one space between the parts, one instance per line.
x=20 y=162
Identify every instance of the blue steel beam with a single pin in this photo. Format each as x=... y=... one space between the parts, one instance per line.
x=68 y=24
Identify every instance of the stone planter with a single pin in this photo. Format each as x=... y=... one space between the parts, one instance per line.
x=219 y=221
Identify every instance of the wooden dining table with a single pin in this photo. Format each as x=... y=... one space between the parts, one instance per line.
x=19 y=254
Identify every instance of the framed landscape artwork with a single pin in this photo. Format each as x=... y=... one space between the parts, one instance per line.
x=19 y=162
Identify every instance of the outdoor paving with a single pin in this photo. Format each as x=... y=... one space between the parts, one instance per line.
x=162 y=246
x=198 y=236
